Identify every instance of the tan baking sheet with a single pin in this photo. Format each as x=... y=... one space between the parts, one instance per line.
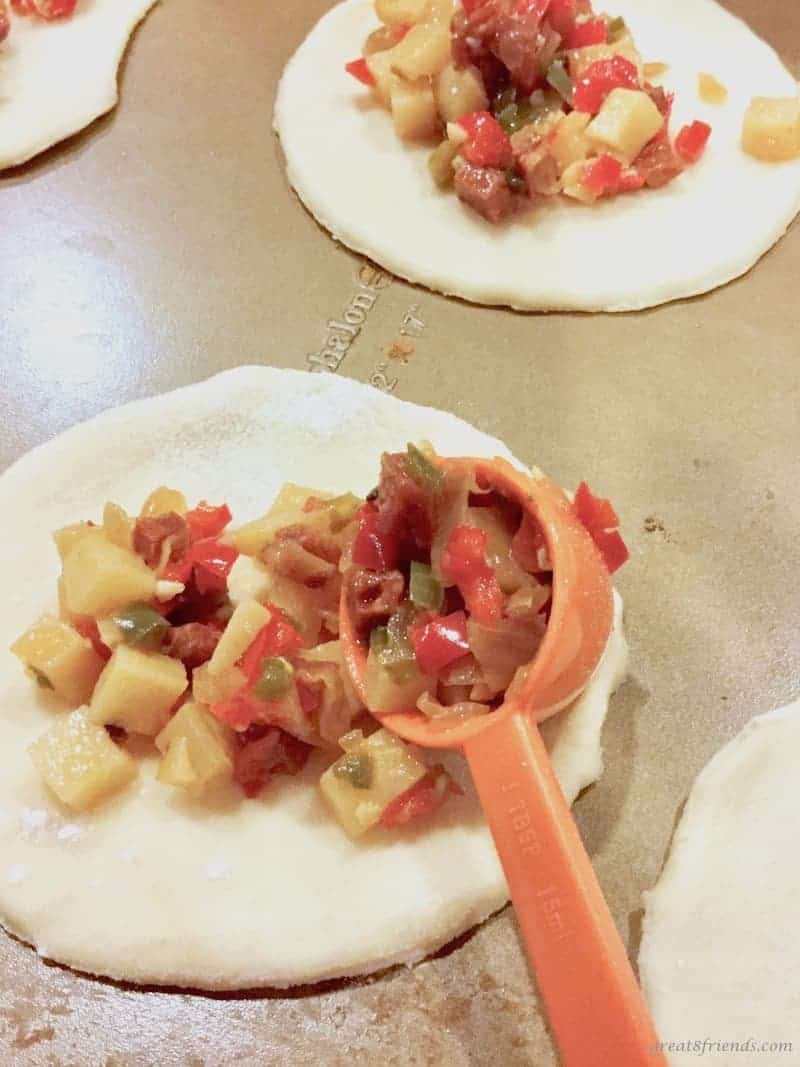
x=164 y=245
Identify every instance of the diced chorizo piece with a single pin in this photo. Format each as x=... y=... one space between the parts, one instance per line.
x=150 y=534
x=485 y=190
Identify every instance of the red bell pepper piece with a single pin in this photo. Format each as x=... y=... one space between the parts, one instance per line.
x=239 y=711
x=211 y=564
x=487 y=144
x=277 y=638
x=178 y=570
x=87 y=627
x=5 y=21
x=583 y=34
x=439 y=640
x=612 y=548
x=423 y=798
x=373 y=548
x=561 y=16
x=630 y=180
x=532 y=7
x=601 y=520
x=464 y=563
x=594 y=512
x=207 y=521
x=45 y=9
x=359 y=68
x=602 y=175
x=598 y=80
x=472 y=5
x=54 y=9
x=692 y=140
x=401 y=30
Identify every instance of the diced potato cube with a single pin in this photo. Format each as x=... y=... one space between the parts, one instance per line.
x=210 y=688
x=395 y=689
x=61 y=658
x=79 y=762
x=243 y=626
x=440 y=164
x=100 y=577
x=286 y=510
x=209 y=743
x=68 y=536
x=163 y=500
x=362 y=783
x=460 y=92
x=176 y=766
x=625 y=123
x=379 y=41
x=439 y=11
x=380 y=67
x=118 y=526
x=400 y=12
x=572 y=183
x=423 y=52
x=414 y=110
x=771 y=129
x=137 y=690
x=252 y=580
x=110 y=633
x=568 y=142
x=711 y=90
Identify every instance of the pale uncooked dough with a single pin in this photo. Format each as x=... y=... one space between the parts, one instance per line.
x=57 y=77
x=268 y=892
x=375 y=194
x=720 y=954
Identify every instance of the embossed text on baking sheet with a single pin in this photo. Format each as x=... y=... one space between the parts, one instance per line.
x=341 y=333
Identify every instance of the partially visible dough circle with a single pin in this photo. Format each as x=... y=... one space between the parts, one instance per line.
x=58 y=77
x=720 y=953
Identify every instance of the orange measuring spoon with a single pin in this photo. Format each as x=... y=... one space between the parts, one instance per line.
x=594 y=1004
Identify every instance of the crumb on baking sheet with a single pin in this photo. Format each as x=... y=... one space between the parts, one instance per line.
x=401 y=349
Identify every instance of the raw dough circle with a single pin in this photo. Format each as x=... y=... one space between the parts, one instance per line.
x=150 y=888
x=720 y=950
x=375 y=194
x=58 y=77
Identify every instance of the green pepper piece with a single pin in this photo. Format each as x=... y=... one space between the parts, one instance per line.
x=400 y=649
x=276 y=677
x=424 y=590
x=507 y=118
x=422 y=470
x=559 y=79
x=379 y=640
x=355 y=768
x=141 y=626
x=507 y=98
x=41 y=678
x=616 y=28
x=397 y=656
